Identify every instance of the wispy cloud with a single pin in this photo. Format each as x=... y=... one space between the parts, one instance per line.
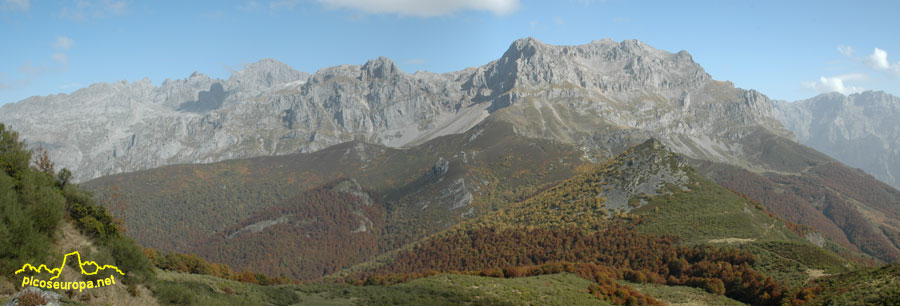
x=58 y=63
x=845 y=50
x=6 y=83
x=213 y=15
x=22 y=5
x=424 y=8
x=251 y=5
x=61 y=58
x=837 y=84
x=84 y=9
x=284 y=4
x=64 y=43
x=559 y=21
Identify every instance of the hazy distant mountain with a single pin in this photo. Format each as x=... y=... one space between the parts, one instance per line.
x=603 y=96
x=109 y=128
x=861 y=130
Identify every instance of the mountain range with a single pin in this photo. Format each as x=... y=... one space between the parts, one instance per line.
x=560 y=106
x=628 y=89
x=367 y=173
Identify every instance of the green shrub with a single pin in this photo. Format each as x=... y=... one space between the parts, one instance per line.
x=280 y=295
x=14 y=155
x=19 y=241
x=130 y=259
x=174 y=294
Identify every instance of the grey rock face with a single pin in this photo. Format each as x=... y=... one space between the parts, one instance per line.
x=609 y=96
x=649 y=168
x=603 y=96
x=861 y=130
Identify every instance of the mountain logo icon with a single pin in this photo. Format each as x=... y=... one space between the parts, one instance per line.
x=56 y=272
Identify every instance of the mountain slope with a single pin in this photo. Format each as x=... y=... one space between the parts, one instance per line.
x=311 y=234
x=861 y=130
x=414 y=192
x=662 y=243
x=845 y=205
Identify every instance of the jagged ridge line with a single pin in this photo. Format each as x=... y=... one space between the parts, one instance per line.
x=58 y=271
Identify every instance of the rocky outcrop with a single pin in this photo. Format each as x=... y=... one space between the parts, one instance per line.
x=641 y=172
x=49 y=298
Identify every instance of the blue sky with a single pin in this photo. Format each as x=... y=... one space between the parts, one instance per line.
x=786 y=49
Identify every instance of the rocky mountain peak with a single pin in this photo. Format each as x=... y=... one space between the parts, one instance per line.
x=606 y=65
x=635 y=45
x=523 y=48
x=264 y=74
x=379 y=68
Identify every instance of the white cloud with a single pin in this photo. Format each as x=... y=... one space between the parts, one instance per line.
x=878 y=59
x=425 y=8
x=64 y=43
x=61 y=58
x=16 y=4
x=845 y=50
x=836 y=84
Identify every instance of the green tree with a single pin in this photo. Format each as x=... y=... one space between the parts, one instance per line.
x=14 y=155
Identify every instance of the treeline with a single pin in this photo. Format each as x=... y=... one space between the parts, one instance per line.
x=620 y=250
x=189 y=263
x=35 y=199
